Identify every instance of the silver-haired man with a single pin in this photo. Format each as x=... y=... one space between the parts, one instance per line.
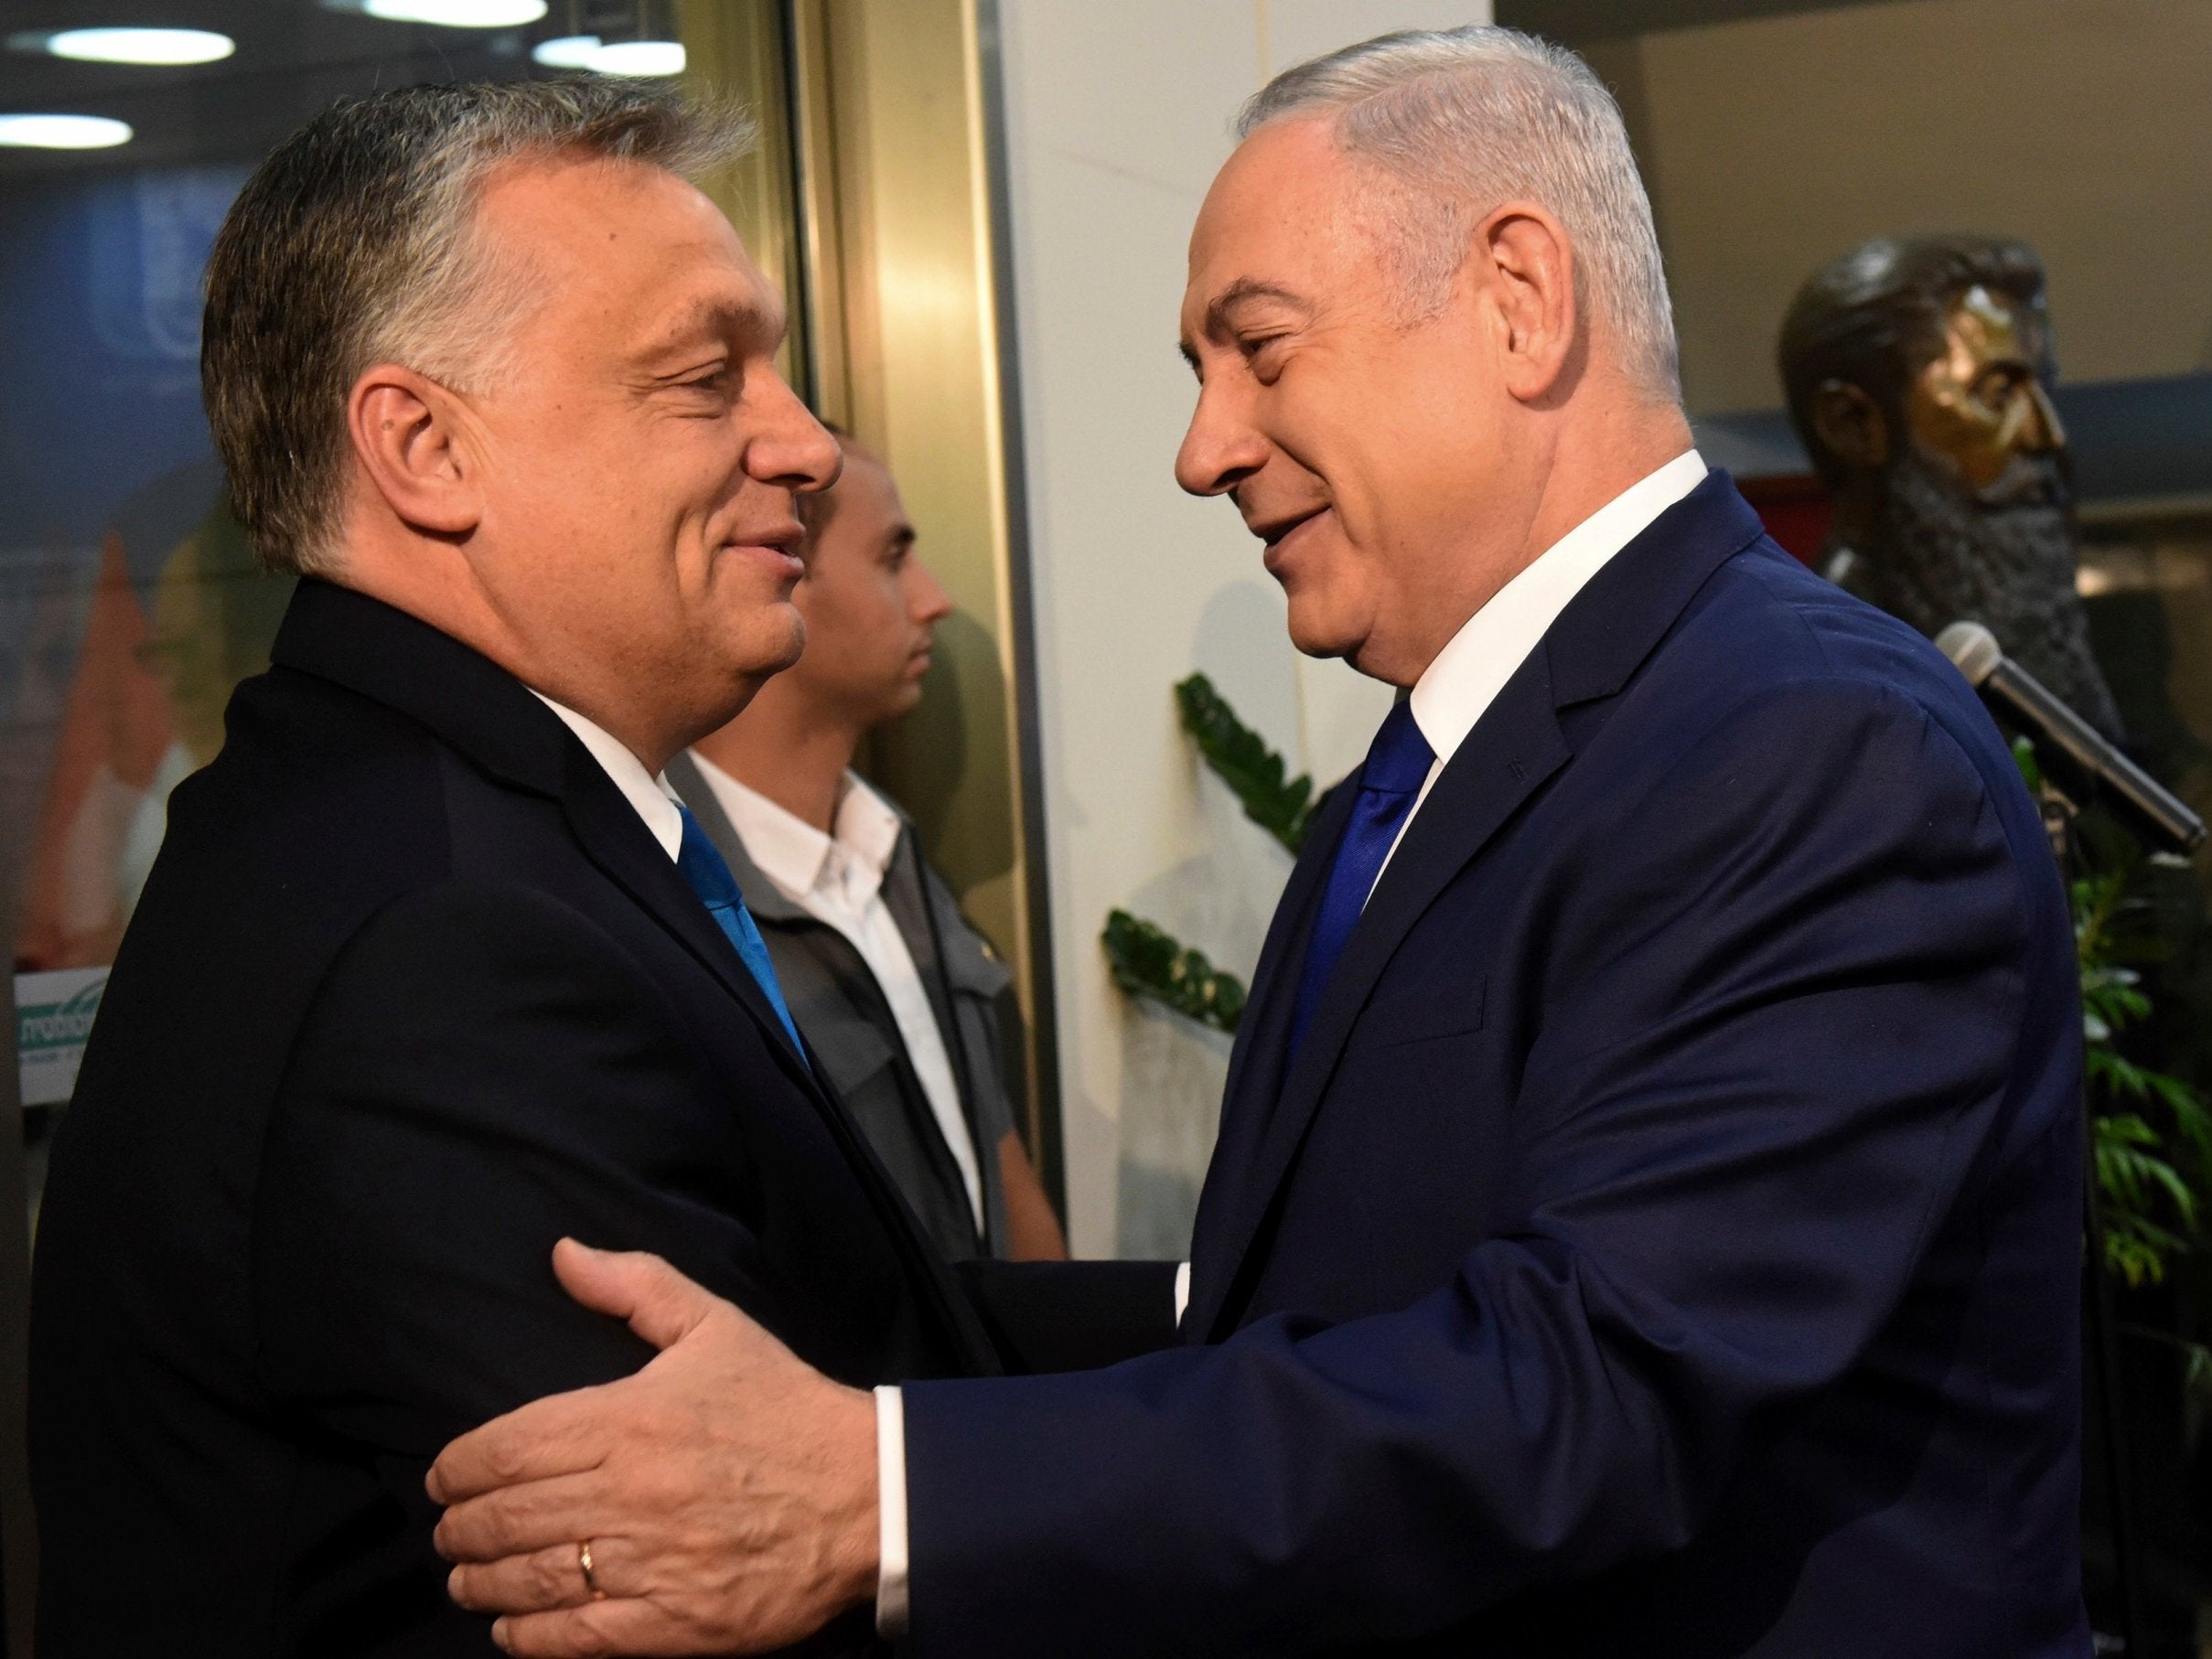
x=1645 y=1219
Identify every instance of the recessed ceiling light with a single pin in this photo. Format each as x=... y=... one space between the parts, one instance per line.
x=634 y=57
x=140 y=45
x=62 y=131
x=459 y=14
x=638 y=58
x=567 y=52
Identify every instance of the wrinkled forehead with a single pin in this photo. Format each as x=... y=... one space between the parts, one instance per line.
x=642 y=253
x=1284 y=209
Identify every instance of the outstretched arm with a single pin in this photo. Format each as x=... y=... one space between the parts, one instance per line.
x=1792 y=1043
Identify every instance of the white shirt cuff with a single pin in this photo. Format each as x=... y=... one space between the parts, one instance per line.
x=891 y=1511
x=1182 y=1290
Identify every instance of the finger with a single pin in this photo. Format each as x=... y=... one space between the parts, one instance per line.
x=537 y=1515
x=537 y=1582
x=600 y=1628
x=561 y=1434
x=661 y=1304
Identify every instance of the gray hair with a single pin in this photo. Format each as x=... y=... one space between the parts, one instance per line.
x=1466 y=118
x=356 y=243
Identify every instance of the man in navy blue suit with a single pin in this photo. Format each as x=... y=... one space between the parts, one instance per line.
x=1646 y=1214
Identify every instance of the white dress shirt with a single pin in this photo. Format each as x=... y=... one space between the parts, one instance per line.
x=838 y=879
x=655 y=801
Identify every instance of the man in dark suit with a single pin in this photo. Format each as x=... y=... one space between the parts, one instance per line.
x=1645 y=1217
x=432 y=970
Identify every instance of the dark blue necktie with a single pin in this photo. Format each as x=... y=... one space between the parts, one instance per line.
x=709 y=874
x=1397 y=765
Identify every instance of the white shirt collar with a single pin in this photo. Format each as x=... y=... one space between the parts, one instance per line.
x=795 y=855
x=655 y=801
x=1458 y=688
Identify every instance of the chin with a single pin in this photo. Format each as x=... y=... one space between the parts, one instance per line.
x=1316 y=633
x=782 y=648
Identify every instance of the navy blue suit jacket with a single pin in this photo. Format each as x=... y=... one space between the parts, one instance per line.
x=1666 y=1240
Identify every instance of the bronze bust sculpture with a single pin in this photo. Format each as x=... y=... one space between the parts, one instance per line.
x=1917 y=370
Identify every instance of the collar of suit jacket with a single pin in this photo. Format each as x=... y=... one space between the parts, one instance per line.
x=1622 y=613
x=382 y=652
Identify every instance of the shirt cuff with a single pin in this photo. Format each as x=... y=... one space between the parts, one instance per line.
x=1182 y=1290
x=891 y=1511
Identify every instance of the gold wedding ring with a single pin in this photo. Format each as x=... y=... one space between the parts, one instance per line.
x=584 y=1560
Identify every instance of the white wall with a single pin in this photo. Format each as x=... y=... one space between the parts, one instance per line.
x=1117 y=116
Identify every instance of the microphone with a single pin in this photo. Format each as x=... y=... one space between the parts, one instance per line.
x=2150 y=809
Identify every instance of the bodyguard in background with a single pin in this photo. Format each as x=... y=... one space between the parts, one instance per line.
x=900 y=998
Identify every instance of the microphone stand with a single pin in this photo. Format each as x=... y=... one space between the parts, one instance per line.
x=2100 y=1315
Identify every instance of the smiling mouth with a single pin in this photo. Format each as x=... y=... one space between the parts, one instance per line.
x=1274 y=532
x=783 y=538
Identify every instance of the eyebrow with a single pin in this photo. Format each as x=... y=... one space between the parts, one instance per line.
x=1244 y=289
x=722 y=316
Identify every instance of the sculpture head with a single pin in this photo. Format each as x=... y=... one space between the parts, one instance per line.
x=1918 y=372
x=1936 y=348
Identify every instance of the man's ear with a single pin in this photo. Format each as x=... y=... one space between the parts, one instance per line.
x=412 y=438
x=1850 y=424
x=1524 y=255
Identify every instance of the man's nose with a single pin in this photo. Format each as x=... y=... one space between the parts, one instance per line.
x=1220 y=450
x=2041 y=431
x=788 y=446
x=926 y=595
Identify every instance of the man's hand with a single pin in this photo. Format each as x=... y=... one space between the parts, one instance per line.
x=727 y=1491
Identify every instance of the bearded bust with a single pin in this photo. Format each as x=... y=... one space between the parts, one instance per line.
x=1917 y=370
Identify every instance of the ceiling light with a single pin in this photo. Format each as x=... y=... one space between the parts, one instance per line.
x=62 y=131
x=457 y=14
x=566 y=52
x=140 y=45
x=638 y=58
x=633 y=58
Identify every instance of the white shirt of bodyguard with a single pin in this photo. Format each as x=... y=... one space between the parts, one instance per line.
x=1452 y=694
x=838 y=879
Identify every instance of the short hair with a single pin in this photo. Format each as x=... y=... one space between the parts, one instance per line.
x=1872 y=317
x=354 y=244
x=1466 y=118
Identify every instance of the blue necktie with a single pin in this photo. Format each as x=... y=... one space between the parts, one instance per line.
x=1397 y=764
x=709 y=874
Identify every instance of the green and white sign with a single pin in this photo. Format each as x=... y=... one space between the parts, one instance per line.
x=53 y=1017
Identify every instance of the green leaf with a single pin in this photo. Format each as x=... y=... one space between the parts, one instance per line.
x=1241 y=759
x=1145 y=961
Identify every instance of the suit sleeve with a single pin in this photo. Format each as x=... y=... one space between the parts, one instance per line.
x=482 y=1072
x=1793 y=1023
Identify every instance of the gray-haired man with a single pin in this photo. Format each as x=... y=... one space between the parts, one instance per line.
x=1645 y=1217
x=433 y=969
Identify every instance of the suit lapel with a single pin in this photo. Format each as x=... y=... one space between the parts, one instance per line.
x=486 y=715
x=1512 y=751
x=953 y=1306
x=616 y=840
x=1256 y=1063
x=1591 y=652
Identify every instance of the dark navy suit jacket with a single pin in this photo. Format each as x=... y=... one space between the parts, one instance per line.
x=1666 y=1240
x=413 y=992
